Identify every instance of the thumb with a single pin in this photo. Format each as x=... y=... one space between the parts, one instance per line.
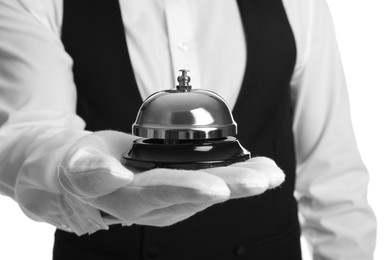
x=87 y=172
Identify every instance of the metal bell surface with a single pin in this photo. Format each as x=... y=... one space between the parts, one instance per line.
x=184 y=114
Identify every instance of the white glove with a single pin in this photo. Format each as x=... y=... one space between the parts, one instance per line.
x=91 y=172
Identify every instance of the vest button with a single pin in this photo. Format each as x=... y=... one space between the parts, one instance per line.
x=239 y=250
x=153 y=251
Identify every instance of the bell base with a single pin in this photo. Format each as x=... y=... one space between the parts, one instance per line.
x=147 y=154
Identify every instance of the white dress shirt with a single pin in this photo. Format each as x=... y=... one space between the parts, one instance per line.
x=39 y=123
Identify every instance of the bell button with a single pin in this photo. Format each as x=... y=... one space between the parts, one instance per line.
x=153 y=251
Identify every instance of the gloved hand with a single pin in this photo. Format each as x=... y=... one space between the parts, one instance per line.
x=92 y=173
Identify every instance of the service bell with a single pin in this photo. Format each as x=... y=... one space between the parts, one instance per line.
x=184 y=128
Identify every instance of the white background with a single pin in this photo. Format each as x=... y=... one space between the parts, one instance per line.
x=363 y=31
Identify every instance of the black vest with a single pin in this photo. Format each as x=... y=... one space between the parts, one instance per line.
x=261 y=227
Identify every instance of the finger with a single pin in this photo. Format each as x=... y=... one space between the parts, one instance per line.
x=183 y=186
x=114 y=142
x=242 y=181
x=267 y=166
x=88 y=173
x=161 y=188
x=130 y=203
x=170 y=215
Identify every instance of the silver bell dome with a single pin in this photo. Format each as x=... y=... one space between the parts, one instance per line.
x=184 y=114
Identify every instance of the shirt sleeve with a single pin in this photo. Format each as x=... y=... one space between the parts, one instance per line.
x=332 y=180
x=38 y=122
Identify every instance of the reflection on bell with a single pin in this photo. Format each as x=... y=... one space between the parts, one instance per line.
x=184 y=128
